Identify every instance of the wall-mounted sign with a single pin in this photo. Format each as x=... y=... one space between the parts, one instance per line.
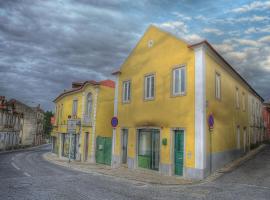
x=71 y=125
x=114 y=122
x=211 y=121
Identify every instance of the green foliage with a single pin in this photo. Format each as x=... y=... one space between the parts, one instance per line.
x=47 y=123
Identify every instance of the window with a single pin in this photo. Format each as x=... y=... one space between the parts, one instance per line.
x=88 y=107
x=237 y=98
x=218 y=86
x=126 y=91
x=74 y=107
x=149 y=87
x=179 y=81
x=244 y=101
x=238 y=137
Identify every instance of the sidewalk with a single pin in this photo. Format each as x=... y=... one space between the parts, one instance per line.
x=235 y=164
x=138 y=175
x=146 y=176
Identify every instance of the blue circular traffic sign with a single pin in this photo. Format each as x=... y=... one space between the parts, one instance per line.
x=211 y=121
x=114 y=122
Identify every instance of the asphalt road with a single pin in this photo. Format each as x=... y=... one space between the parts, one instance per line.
x=25 y=175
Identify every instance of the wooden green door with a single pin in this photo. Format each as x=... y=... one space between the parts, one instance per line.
x=179 y=152
x=103 y=150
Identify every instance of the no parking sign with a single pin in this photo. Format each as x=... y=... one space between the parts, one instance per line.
x=114 y=122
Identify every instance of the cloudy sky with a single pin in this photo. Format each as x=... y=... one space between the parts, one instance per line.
x=47 y=44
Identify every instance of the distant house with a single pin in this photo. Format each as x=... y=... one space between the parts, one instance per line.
x=266 y=118
x=10 y=125
x=90 y=105
x=32 y=131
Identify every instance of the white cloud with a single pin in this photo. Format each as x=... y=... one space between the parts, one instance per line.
x=213 y=31
x=265 y=39
x=247 y=42
x=252 y=30
x=174 y=26
x=180 y=29
x=223 y=48
x=181 y=16
x=256 y=5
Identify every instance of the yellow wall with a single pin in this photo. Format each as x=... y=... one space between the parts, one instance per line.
x=165 y=111
x=226 y=114
x=104 y=111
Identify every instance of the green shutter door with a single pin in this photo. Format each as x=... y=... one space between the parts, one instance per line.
x=107 y=151
x=104 y=150
x=179 y=152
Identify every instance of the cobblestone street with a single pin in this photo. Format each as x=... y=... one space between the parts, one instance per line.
x=25 y=175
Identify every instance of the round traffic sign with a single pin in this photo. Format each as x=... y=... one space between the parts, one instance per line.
x=114 y=122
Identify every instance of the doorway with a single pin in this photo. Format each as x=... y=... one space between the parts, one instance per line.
x=86 y=144
x=149 y=148
x=124 y=145
x=178 y=152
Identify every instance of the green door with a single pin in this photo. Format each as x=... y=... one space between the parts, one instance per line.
x=104 y=150
x=179 y=152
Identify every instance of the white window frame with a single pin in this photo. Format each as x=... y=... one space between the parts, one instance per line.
x=181 y=69
x=74 y=111
x=149 y=87
x=126 y=91
x=218 y=86
x=237 y=97
x=244 y=101
x=89 y=106
x=238 y=137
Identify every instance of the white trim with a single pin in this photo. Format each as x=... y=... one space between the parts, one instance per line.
x=93 y=149
x=200 y=108
x=115 y=112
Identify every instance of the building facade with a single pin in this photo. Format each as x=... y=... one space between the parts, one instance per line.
x=266 y=119
x=32 y=128
x=90 y=104
x=167 y=94
x=10 y=125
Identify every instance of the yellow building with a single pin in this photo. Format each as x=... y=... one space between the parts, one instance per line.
x=90 y=105
x=166 y=91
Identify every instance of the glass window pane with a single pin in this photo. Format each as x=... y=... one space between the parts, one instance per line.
x=176 y=81
x=144 y=143
x=152 y=86
x=183 y=80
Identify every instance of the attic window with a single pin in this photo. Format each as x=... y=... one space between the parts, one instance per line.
x=150 y=43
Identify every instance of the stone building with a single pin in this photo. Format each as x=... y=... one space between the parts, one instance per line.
x=10 y=125
x=32 y=133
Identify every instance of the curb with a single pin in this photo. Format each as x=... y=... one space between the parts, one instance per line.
x=89 y=171
x=22 y=149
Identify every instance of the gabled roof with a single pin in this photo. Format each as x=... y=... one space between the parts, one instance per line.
x=81 y=85
x=205 y=42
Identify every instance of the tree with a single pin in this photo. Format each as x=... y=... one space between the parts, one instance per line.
x=47 y=123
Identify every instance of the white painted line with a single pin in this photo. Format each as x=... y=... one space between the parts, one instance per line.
x=15 y=166
x=26 y=174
